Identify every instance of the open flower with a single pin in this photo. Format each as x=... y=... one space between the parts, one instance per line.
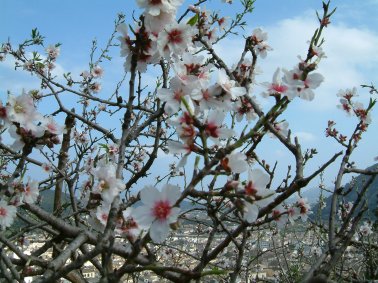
x=366 y=229
x=157 y=211
x=108 y=184
x=235 y=162
x=7 y=214
x=214 y=127
x=31 y=192
x=229 y=85
x=175 y=38
x=155 y=7
x=276 y=86
x=173 y=95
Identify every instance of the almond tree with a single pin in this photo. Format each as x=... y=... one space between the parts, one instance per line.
x=201 y=110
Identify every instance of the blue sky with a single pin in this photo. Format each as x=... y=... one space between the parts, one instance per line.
x=351 y=47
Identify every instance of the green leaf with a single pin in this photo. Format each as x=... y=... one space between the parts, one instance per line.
x=193 y=20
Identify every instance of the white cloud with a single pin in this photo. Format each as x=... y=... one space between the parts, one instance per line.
x=305 y=136
x=17 y=80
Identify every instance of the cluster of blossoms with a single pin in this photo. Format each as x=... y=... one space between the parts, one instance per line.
x=40 y=65
x=344 y=209
x=289 y=213
x=89 y=84
x=26 y=125
x=29 y=129
x=17 y=194
x=366 y=229
x=351 y=108
x=355 y=108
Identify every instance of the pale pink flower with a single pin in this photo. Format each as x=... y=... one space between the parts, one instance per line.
x=300 y=87
x=85 y=74
x=3 y=114
x=49 y=124
x=318 y=52
x=30 y=192
x=155 y=7
x=155 y=24
x=279 y=217
x=276 y=86
x=255 y=187
x=243 y=107
x=259 y=38
x=174 y=39
x=21 y=109
x=180 y=148
x=157 y=211
x=228 y=85
x=303 y=208
x=191 y=70
x=361 y=112
x=7 y=214
x=108 y=184
x=97 y=72
x=206 y=97
x=282 y=127
x=129 y=226
x=214 y=127
x=46 y=167
x=235 y=162
x=53 y=52
x=366 y=229
x=95 y=87
x=102 y=213
x=173 y=95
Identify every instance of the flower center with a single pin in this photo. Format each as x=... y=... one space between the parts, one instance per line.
x=161 y=210
x=212 y=130
x=155 y=2
x=250 y=189
x=178 y=94
x=279 y=88
x=174 y=36
x=3 y=211
x=3 y=112
x=18 y=108
x=104 y=217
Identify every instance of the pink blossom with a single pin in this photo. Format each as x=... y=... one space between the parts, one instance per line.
x=97 y=72
x=258 y=40
x=108 y=184
x=276 y=86
x=235 y=162
x=173 y=95
x=157 y=211
x=256 y=187
x=53 y=52
x=30 y=192
x=129 y=226
x=366 y=229
x=214 y=127
x=51 y=126
x=174 y=39
x=21 y=109
x=228 y=85
x=7 y=214
x=303 y=208
x=155 y=7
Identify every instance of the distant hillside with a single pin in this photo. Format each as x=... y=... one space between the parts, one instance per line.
x=371 y=196
x=46 y=202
